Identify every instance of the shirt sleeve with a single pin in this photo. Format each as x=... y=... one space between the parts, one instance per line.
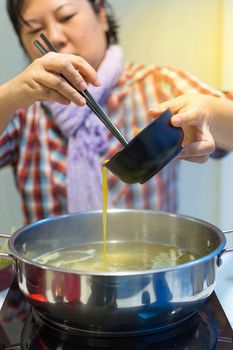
x=171 y=82
x=10 y=139
x=219 y=153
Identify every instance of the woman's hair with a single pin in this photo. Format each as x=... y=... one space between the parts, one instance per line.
x=14 y=8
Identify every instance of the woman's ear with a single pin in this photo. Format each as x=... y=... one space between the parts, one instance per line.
x=100 y=5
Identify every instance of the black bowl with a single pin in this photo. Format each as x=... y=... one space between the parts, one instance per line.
x=148 y=152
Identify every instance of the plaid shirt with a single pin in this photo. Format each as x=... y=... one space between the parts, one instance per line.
x=36 y=149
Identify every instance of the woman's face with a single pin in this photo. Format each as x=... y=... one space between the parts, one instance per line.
x=71 y=25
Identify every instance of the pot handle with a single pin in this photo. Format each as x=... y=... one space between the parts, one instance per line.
x=226 y=250
x=227 y=231
x=3 y=235
x=5 y=255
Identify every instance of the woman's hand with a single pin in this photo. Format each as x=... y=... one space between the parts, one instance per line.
x=56 y=77
x=192 y=112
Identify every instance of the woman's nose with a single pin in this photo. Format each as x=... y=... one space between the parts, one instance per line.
x=56 y=36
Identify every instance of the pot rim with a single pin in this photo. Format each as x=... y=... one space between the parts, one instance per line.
x=16 y=256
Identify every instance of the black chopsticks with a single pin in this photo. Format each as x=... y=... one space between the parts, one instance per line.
x=91 y=102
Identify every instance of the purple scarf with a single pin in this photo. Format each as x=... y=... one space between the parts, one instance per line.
x=87 y=137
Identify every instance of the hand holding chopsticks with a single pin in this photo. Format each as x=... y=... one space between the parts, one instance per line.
x=55 y=77
x=91 y=102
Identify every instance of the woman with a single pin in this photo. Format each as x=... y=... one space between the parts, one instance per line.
x=57 y=148
x=33 y=141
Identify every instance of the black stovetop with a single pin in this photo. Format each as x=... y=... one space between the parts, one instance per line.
x=21 y=327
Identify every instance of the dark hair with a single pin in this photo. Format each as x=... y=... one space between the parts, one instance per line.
x=14 y=8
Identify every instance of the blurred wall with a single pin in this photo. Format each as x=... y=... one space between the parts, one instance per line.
x=184 y=33
x=225 y=200
x=193 y=35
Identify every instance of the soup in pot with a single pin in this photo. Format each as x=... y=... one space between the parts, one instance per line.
x=126 y=256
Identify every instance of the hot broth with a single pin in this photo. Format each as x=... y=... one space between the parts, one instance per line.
x=127 y=256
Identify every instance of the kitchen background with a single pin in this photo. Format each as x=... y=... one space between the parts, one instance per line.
x=194 y=35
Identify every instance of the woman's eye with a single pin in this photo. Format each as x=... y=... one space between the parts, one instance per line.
x=66 y=18
x=35 y=31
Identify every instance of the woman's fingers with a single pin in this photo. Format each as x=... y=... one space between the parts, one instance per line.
x=198 y=151
x=55 y=76
x=50 y=82
x=176 y=105
x=191 y=112
x=155 y=112
x=73 y=76
x=66 y=74
x=199 y=159
x=192 y=117
x=57 y=97
x=73 y=68
x=86 y=70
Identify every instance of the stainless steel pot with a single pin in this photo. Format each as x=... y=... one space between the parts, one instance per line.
x=122 y=302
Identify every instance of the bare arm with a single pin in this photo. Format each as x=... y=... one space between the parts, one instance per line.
x=8 y=104
x=221 y=126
